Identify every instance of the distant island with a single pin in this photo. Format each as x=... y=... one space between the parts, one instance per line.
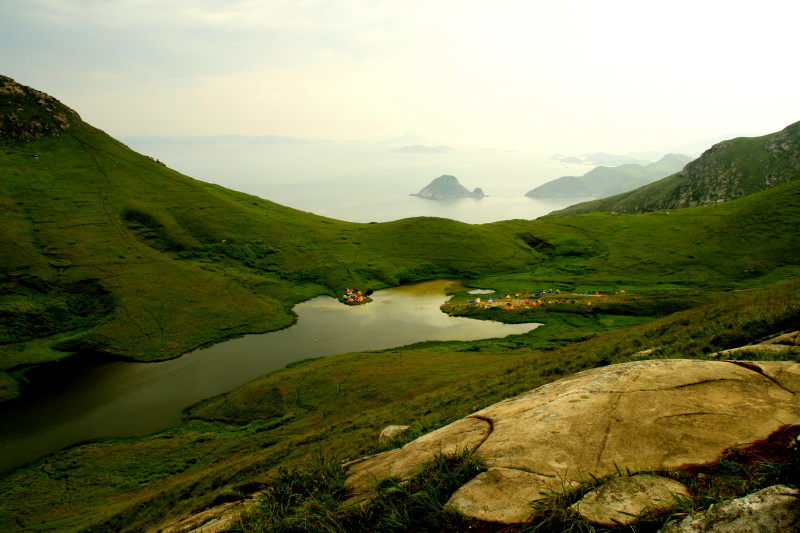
x=607 y=181
x=420 y=149
x=446 y=187
x=602 y=158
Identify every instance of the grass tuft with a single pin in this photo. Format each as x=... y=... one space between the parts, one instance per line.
x=310 y=498
x=304 y=498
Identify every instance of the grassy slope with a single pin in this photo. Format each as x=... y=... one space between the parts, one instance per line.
x=339 y=403
x=111 y=251
x=731 y=244
x=90 y=209
x=105 y=250
x=183 y=262
x=336 y=405
x=729 y=170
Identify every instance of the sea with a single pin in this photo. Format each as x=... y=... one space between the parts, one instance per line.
x=366 y=181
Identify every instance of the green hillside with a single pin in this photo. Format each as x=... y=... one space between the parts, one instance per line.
x=105 y=250
x=108 y=252
x=604 y=181
x=728 y=170
x=335 y=406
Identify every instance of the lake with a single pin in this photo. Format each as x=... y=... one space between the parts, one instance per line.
x=77 y=401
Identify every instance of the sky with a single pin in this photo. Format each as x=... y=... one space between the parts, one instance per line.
x=565 y=76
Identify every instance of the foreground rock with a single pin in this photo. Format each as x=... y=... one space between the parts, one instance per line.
x=214 y=520
x=502 y=495
x=402 y=463
x=775 y=508
x=391 y=433
x=637 y=417
x=788 y=342
x=622 y=499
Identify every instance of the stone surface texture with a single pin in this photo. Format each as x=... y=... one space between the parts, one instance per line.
x=214 y=520
x=402 y=463
x=623 y=499
x=788 y=342
x=502 y=495
x=771 y=510
x=634 y=417
x=390 y=433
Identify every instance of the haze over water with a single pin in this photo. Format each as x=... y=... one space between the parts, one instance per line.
x=369 y=182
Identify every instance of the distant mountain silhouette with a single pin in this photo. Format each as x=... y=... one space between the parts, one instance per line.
x=602 y=158
x=728 y=170
x=446 y=187
x=606 y=181
x=420 y=149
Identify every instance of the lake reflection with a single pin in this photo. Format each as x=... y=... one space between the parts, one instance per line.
x=91 y=401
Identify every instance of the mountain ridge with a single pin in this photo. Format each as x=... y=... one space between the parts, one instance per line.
x=605 y=181
x=728 y=170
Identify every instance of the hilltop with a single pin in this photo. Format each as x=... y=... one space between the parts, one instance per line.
x=728 y=170
x=604 y=181
x=28 y=114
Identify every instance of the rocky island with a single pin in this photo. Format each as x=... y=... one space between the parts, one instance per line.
x=446 y=187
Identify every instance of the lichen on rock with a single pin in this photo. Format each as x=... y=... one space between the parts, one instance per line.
x=27 y=114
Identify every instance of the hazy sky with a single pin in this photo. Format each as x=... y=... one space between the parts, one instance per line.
x=565 y=76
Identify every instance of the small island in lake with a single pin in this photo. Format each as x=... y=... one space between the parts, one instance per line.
x=356 y=297
x=446 y=187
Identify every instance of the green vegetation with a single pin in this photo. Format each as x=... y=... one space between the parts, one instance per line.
x=187 y=263
x=728 y=170
x=108 y=252
x=336 y=405
x=312 y=497
x=199 y=263
x=183 y=263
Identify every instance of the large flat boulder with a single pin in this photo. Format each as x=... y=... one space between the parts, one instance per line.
x=645 y=415
x=635 y=417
